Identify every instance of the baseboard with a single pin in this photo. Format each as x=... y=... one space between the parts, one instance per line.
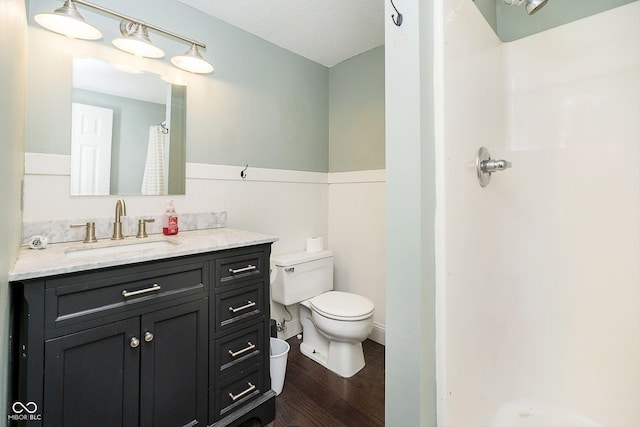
x=377 y=334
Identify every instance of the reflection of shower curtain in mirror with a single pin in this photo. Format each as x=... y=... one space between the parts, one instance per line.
x=153 y=179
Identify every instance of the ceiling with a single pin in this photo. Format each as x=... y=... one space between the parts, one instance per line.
x=331 y=31
x=324 y=31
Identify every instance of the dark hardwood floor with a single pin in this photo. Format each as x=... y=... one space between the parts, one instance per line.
x=314 y=396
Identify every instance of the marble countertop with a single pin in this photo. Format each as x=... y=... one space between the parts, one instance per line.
x=60 y=258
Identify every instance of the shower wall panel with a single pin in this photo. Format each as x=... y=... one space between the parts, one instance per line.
x=539 y=294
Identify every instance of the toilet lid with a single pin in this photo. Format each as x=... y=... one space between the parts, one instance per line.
x=342 y=306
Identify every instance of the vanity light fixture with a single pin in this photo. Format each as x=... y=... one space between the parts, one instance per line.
x=135 y=37
x=68 y=21
x=135 y=40
x=192 y=61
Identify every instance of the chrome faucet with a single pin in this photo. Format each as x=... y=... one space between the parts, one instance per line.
x=121 y=210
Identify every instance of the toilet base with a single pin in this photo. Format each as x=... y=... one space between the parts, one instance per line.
x=345 y=359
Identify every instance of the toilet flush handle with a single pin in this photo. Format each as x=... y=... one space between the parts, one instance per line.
x=290 y=269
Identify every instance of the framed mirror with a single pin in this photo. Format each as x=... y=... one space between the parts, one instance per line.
x=128 y=133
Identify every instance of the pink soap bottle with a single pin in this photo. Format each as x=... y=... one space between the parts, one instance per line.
x=170 y=220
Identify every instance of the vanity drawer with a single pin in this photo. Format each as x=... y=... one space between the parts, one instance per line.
x=230 y=270
x=232 y=392
x=82 y=297
x=239 y=306
x=240 y=348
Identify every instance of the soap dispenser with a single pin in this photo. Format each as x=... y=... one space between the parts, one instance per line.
x=170 y=220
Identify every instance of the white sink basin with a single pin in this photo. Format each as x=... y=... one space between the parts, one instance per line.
x=116 y=248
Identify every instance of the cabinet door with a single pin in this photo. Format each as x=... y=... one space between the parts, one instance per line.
x=173 y=377
x=91 y=377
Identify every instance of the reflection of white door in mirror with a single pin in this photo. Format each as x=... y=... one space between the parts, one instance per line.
x=138 y=100
x=90 y=149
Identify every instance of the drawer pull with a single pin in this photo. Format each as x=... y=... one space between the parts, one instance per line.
x=249 y=304
x=244 y=350
x=242 y=270
x=154 y=288
x=244 y=393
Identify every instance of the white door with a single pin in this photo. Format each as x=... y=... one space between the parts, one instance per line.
x=91 y=130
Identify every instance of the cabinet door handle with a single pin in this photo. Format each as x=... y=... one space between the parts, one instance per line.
x=249 y=304
x=134 y=342
x=148 y=336
x=244 y=350
x=242 y=270
x=126 y=293
x=244 y=393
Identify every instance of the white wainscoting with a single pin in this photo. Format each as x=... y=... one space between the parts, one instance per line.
x=292 y=205
x=357 y=237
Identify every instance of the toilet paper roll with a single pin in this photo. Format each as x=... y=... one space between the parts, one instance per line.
x=315 y=244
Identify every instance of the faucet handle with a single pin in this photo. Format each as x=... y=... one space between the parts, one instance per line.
x=142 y=227
x=90 y=232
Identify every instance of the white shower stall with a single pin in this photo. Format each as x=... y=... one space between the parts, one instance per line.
x=538 y=274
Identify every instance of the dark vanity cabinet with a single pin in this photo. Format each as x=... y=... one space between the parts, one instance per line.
x=157 y=359
x=240 y=327
x=177 y=342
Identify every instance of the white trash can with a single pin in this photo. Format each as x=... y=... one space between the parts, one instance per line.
x=279 y=349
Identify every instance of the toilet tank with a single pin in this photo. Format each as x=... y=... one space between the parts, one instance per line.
x=299 y=276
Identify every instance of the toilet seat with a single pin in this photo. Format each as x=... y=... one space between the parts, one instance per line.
x=342 y=306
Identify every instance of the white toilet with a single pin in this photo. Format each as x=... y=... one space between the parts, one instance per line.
x=334 y=324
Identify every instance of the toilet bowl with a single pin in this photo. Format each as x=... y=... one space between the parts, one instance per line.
x=342 y=316
x=334 y=323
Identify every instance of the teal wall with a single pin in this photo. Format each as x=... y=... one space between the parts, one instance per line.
x=263 y=106
x=356 y=113
x=12 y=87
x=512 y=23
